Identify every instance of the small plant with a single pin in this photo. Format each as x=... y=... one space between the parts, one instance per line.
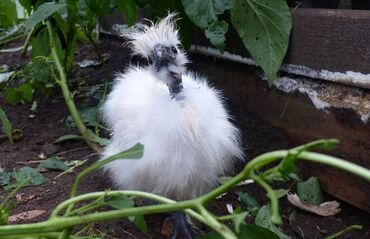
x=67 y=215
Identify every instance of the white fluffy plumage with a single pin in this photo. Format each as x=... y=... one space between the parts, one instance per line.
x=188 y=142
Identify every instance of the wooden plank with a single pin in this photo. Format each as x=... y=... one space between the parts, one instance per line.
x=296 y=115
x=331 y=39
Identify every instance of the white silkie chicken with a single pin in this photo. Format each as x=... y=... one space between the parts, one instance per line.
x=181 y=121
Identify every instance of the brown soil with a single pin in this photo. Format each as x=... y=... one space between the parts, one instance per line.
x=48 y=125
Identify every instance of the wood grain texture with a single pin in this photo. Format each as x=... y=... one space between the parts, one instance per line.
x=330 y=39
x=295 y=114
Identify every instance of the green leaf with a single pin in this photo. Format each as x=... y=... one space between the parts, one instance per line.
x=19 y=94
x=90 y=116
x=264 y=27
x=43 y=11
x=140 y=223
x=263 y=219
x=8 y=13
x=204 y=12
x=40 y=44
x=310 y=191
x=279 y=192
x=120 y=202
x=6 y=125
x=256 y=232
x=216 y=34
x=239 y=218
x=100 y=8
x=135 y=152
x=128 y=8
x=68 y=137
x=123 y=202
x=27 y=4
x=96 y=139
x=30 y=174
x=4 y=178
x=287 y=166
x=54 y=163
x=250 y=202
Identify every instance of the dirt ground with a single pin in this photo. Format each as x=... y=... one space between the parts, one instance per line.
x=46 y=125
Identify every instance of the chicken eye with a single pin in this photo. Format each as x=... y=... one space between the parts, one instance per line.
x=174 y=50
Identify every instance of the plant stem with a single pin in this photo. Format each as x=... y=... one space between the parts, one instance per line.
x=66 y=93
x=223 y=230
x=60 y=223
x=275 y=215
x=56 y=223
x=27 y=42
x=132 y=153
x=344 y=231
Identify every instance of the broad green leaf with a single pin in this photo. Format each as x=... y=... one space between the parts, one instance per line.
x=40 y=44
x=204 y=12
x=128 y=8
x=216 y=34
x=310 y=191
x=250 y=202
x=27 y=4
x=264 y=27
x=96 y=139
x=19 y=94
x=68 y=137
x=8 y=13
x=100 y=8
x=43 y=11
x=6 y=125
x=54 y=163
x=263 y=219
x=30 y=174
x=4 y=178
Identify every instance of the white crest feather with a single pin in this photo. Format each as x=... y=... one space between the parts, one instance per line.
x=163 y=32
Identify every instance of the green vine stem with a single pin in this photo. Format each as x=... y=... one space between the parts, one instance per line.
x=66 y=93
x=56 y=223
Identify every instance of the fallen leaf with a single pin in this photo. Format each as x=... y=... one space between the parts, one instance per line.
x=325 y=209
x=22 y=197
x=25 y=215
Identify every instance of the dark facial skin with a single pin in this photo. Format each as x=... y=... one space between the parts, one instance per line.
x=163 y=58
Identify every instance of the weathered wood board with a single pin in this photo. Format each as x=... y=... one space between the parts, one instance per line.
x=331 y=39
x=302 y=121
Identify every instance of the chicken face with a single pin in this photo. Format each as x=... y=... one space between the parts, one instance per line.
x=166 y=64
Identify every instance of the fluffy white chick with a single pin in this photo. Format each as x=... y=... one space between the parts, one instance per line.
x=181 y=121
